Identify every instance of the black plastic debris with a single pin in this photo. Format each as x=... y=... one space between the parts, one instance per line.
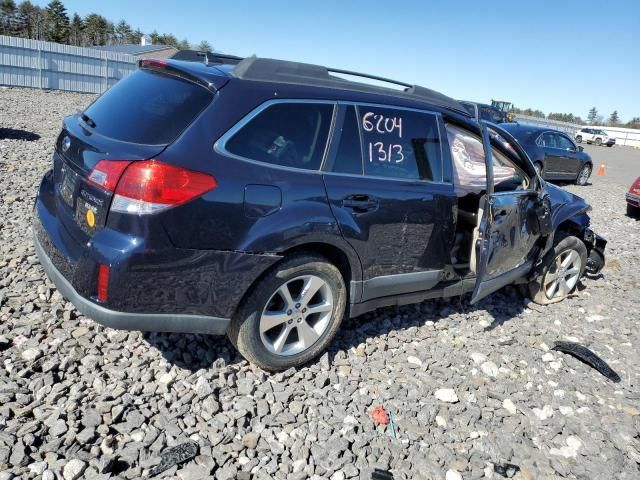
x=506 y=470
x=379 y=474
x=175 y=456
x=585 y=355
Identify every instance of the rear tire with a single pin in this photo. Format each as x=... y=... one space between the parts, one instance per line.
x=632 y=211
x=579 y=139
x=598 y=141
x=583 y=175
x=560 y=270
x=276 y=333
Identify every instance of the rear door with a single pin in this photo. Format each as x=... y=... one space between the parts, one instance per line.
x=571 y=162
x=385 y=183
x=508 y=229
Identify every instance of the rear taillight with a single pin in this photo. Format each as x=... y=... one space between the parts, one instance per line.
x=142 y=187
x=106 y=173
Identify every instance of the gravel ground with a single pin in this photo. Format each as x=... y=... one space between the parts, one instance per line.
x=471 y=388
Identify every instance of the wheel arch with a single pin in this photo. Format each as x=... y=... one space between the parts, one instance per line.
x=349 y=268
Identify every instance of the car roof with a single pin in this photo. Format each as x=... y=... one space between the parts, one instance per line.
x=298 y=74
x=524 y=130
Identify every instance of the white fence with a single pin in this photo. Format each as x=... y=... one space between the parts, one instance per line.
x=624 y=136
x=38 y=64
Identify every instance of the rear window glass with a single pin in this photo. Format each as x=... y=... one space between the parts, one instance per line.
x=287 y=134
x=400 y=144
x=147 y=107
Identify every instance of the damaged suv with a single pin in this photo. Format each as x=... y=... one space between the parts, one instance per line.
x=269 y=199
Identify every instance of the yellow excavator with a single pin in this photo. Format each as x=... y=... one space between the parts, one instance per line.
x=505 y=107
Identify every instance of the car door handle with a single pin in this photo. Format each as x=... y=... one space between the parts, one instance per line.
x=360 y=203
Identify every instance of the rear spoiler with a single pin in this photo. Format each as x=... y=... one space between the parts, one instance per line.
x=170 y=69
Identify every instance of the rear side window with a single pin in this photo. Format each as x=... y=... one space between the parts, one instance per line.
x=400 y=144
x=287 y=134
x=147 y=107
x=348 y=155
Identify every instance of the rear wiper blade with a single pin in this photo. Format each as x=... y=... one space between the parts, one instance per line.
x=88 y=120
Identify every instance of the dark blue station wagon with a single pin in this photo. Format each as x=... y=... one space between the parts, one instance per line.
x=269 y=199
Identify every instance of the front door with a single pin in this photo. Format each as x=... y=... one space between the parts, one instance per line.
x=510 y=225
x=384 y=183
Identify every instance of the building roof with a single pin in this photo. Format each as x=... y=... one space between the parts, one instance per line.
x=133 y=49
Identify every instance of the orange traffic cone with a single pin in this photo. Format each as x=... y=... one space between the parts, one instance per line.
x=601 y=170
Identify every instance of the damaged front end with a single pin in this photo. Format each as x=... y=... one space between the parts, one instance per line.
x=569 y=213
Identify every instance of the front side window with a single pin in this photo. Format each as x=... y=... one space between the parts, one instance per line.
x=286 y=134
x=400 y=144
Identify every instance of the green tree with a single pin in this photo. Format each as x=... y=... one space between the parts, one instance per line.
x=76 y=31
x=183 y=45
x=135 y=36
x=96 y=29
x=8 y=13
x=614 y=119
x=123 y=32
x=592 y=116
x=26 y=19
x=58 y=22
x=204 y=46
x=633 y=123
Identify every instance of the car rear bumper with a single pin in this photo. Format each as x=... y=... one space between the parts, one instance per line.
x=152 y=285
x=157 y=322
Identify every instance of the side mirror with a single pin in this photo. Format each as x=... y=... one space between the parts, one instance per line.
x=580 y=148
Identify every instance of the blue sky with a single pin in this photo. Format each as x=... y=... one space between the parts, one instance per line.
x=554 y=55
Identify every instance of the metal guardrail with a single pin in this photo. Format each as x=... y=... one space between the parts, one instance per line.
x=624 y=136
x=38 y=64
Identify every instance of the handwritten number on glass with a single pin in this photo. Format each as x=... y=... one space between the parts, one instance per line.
x=382 y=151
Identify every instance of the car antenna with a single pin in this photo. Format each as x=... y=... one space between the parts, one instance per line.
x=206 y=57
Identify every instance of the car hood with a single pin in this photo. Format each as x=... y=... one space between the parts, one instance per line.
x=565 y=205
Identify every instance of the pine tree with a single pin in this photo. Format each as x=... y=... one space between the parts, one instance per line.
x=135 y=36
x=614 y=119
x=76 y=31
x=183 y=45
x=26 y=20
x=96 y=29
x=123 y=32
x=593 y=115
x=58 y=22
x=204 y=46
x=7 y=17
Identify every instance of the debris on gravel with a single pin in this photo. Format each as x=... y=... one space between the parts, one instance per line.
x=475 y=390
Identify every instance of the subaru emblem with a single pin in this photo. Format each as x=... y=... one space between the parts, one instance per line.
x=66 y=143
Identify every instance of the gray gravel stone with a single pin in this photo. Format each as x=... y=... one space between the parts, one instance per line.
x=107 y=402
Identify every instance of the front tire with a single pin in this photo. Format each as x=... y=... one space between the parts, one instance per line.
x=579 y=139
x=561 y=268
x=291 y=315
x=583 y=175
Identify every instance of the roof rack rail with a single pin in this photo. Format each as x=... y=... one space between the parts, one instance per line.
x=284 y=71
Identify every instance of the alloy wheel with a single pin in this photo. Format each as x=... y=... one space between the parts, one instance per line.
x=296 y=315
x=584 y=175
x=563 y=274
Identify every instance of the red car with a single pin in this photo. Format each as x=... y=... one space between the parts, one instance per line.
x=633 y=199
